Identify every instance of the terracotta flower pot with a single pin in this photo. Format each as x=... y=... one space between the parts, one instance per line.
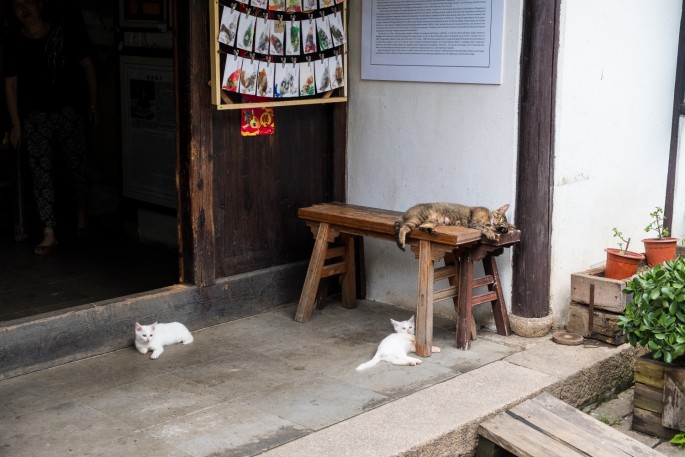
x=658 y=250
x=621 y=264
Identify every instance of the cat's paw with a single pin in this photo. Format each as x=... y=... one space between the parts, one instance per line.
x=154 y=356
x=435 y=349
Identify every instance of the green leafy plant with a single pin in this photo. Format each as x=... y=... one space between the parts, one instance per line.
x=655 y=316
x=619 y=235
x=657 y=223
x=679 y=440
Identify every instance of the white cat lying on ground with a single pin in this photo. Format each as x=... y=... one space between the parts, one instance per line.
x=395 y=347
x=154 y=337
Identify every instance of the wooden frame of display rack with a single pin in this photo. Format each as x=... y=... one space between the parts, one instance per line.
x=222 y=101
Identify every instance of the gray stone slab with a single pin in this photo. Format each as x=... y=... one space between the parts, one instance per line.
x=320 y=353
x=229 y=429
x=439 y=420
x=70 y=428
x=317 y=402
x=155 y=400
x=393 y=380
x=138 y=443
x=264 y=331
x=558 y=360
x=482 y=352
x=241 y=374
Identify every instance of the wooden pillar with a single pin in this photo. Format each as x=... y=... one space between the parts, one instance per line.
x=531 y=271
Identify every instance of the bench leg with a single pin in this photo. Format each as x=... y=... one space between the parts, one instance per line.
x=311 y=281
x=349 y=278
x=454 y=281
x=499 y=309
x=464 y=312
x=424 y=309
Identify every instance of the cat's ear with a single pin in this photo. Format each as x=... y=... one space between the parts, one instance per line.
x=153 y=325
x=138 y=327
x=412 y=319
x=503 y=209
x=394 y=322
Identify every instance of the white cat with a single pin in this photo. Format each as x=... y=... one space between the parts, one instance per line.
x=154 y=337
x=395 y=347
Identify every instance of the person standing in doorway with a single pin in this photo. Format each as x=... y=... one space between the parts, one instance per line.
x=42 y=62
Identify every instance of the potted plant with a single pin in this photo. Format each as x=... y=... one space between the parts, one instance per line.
x=621 y=263
x=663 y=247
x=654 y=318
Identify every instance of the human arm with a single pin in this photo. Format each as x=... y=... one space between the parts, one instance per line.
x=13 y=108
x=91 y=80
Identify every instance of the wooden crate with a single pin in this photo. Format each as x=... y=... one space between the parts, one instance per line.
x=604 y=324
x=658 y=402
x=608 y=292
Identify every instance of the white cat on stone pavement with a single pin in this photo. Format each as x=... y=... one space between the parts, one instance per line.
x=395 y=347
x=154 y=337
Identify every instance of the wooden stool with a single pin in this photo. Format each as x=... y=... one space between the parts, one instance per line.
x=337 y=227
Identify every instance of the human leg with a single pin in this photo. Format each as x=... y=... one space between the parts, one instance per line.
x=71 y=134
x=38 y=135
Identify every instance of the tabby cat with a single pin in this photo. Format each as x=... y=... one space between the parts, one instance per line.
x=427 y=216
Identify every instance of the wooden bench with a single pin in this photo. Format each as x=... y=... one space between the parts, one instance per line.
x=545 y=426
x=335 y=227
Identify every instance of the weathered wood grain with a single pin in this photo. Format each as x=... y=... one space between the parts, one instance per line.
x=604 y=324
x=608 y=292
x=546 y=426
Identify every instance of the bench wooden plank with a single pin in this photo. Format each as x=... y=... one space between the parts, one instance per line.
x=553 y=421
x=380 y=223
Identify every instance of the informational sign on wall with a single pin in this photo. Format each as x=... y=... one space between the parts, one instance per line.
x=453 y=41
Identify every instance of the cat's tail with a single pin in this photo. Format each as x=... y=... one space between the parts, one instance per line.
x=370 y=363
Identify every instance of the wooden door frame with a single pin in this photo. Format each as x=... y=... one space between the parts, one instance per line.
x=535 y=167
x=194 y=146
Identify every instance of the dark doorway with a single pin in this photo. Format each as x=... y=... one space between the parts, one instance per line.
x=131 y=245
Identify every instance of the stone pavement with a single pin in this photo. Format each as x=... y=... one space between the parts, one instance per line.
x=266 y=385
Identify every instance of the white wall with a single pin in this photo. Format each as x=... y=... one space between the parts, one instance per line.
x=417 y=142
x=616 y=77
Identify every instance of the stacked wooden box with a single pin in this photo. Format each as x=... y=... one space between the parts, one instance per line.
x=659 y=397
x=607 y=302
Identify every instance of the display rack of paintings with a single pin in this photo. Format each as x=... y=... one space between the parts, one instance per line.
x=278 y=52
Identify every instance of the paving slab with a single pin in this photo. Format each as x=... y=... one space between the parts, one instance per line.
x=66 y=429
x=230 y=429
x=154 y=400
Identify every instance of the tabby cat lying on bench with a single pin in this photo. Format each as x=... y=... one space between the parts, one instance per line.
x=427 y=216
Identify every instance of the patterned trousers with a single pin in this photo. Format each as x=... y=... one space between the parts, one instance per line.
x=41 y=131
